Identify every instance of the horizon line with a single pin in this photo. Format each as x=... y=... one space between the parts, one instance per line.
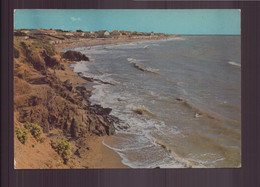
x=133 y=31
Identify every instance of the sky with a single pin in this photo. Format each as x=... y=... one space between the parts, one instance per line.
x=169 y=21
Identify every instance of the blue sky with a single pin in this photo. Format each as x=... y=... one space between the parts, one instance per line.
x=170 y=21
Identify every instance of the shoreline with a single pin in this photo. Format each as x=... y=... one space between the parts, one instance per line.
x=40 y=88
x=70 y=44
x=99 y=156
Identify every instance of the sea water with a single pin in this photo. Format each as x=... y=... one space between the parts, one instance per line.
x=178 y=99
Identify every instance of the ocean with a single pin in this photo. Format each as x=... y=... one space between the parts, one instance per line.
x=178 y=100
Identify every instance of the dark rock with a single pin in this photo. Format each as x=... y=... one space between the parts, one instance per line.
x=52 y=119
x=119 y=99
x=37 y=80
x=82 y=91
x=77 y=153
x=138 y=112
x=98 y=109
x=62 y=67
x=179 y=99
x=75 y=56
x=68 y=85
x=74 y=128
x=86 y=78
x=33 y=101
x=81 y=88
x=113 y=119
x=123 y=127
x=111 y=129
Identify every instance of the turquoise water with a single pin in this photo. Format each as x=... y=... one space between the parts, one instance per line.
x=188 y=91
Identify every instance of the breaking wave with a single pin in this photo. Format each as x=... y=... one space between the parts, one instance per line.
x=198 y=112
x=140 y=67
x=234 y=64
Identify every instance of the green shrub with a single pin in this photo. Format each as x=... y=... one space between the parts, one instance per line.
x=41 y=139
x=34 y=129
x=21 y=134
x=50 y=50
x=62 y=147
x=26 y=49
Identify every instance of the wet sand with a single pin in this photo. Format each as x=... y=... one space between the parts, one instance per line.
x=99 y=156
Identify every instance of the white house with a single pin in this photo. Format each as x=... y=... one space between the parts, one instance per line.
x=102 y=34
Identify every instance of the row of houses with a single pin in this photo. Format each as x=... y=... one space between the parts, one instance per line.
x=97 y=34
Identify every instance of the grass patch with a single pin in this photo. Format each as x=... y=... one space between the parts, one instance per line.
x=21 y=134
x=49 y=49
x=62 y=147
x=34 y=129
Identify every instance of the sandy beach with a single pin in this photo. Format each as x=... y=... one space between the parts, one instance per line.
x=72 y=43
x=94 y=154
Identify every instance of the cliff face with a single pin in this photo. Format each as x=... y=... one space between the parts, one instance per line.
x=43 y=95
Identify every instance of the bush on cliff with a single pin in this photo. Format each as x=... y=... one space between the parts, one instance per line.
x=26 y=49
x=33 y=57
x=41 y=43
x=21 y=134
x=37 y=62
x=75 y=56
x=34 y=129
x=62 y=147
x=51 y=62
x=50 y=50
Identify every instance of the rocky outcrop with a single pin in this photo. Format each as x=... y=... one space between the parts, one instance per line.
x=58 y=108
x=75 y=56
x=52 y=103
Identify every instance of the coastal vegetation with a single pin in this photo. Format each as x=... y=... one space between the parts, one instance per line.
x=63 y=148
x=21 y=134
x=35 y=130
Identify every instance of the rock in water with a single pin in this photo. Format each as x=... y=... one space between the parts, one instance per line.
x=75 y=56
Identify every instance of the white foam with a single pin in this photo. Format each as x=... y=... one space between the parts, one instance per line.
x=175 y=38
x=234 y=64
x=139 y=66
x=81 y=66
